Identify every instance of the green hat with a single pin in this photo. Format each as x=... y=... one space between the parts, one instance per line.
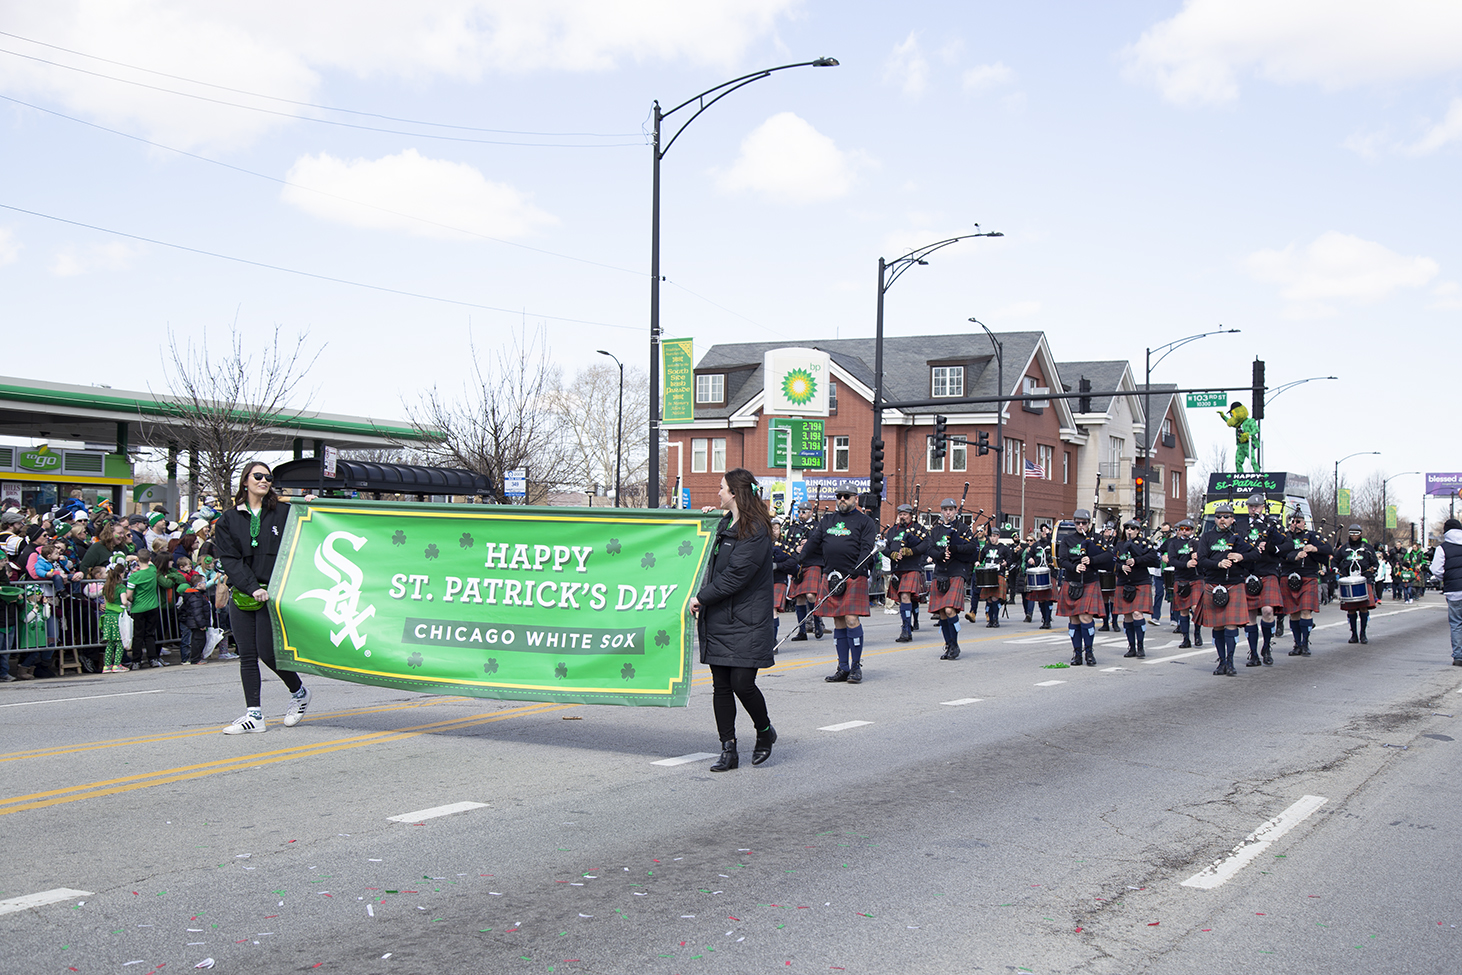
x=10 y=594
x=155 y=518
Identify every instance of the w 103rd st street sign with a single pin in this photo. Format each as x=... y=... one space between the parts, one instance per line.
x=1203 y=401
x=573 y=605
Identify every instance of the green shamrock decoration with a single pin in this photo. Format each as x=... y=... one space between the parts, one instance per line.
x=648 y=561
x=414 y=660
x=491 y=666
x=399 y=538
x=612 y=546
x=432 y=551
x=662 y=639
x=685 y=548
x=561 y=671
x=627 y=671
x=465 y=541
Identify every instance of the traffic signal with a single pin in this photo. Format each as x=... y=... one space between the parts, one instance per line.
x=1084 y=403
x=1258 y=411
x=941 y=436
x=983 y=444
x=1139 y=493
x=875 y=474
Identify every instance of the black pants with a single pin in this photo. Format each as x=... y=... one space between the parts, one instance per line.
x=144 y=635
x=254 y=637
x=729 y=684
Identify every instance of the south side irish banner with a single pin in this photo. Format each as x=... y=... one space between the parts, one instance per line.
x=578 y=605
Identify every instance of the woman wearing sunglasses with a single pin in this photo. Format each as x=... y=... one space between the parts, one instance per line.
x=246 y=542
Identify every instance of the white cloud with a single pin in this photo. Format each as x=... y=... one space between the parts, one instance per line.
x=116 y=256
x=907 y=67
x=1441 y=133
x=279 y=48
x=1337 y=266
x=986 y=77
x=788 y=160
x=9 y=247
x=446 y=193
x=1448 y=297
x=1197 y=55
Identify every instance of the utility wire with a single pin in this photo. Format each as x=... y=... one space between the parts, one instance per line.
x=325 y=121
x=310 y=189
x=291 y=101
x=310 y=274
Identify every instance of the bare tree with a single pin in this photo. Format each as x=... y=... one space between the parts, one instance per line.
x=588 y=411
x=1215 y=462
x=505 y=419
x=226 y=401
x=384 y=455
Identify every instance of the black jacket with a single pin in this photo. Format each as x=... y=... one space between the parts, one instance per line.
x=249 y=566
x=1293 y=558
x=784 y=562
x=1267 y=562
x=842 y=543
x=1360 y=553
x=911 y=536
x=953 y=550
x=1180 y=550
x=1073 y=548
x=735 y=623
x=1141 y=553
x=1214 y=546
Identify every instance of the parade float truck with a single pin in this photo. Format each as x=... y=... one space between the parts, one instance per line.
x=1286 y=493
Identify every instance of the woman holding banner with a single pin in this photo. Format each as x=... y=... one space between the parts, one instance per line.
x=734 y=609
x=246 y=542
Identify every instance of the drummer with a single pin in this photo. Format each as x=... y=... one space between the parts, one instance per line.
x=1082 y=558
x=1134 y=585
x=1109 y=542
x=1038 y=556
x=784 y=566
x=1356 y=557
x=907 y=548
x=1266 y=539
x=1303 y=554
x=991 y=576
x=1182 y=556
x=1221 y=549
x=803 y=586
x=952 y=548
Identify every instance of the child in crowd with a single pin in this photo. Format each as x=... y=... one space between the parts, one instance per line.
x=111 y=618
x=194 y=617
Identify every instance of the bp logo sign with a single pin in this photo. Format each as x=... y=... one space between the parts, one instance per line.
x=798 y=387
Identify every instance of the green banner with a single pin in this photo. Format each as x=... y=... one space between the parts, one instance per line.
x=1342 y=503
x=1390 y=516
x=577 y=605
x=679 y=381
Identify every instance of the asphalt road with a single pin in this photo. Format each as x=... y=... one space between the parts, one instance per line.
x=966 y=816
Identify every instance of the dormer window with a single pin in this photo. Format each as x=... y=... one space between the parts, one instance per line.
x=947 y=381
x=710 y=388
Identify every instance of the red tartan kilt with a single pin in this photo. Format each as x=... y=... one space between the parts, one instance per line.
x=1041 y=595
x=809 y=584
x=780 y=602
x=954 y=599
x=993 y=593
x=1271 y=596
x=1141 y=602
x=1090 y=603
x=1236 y=613
x=1306 y=600
x=1192 y=601
x=1364 y=607
x=910 y=582
x=853 y=601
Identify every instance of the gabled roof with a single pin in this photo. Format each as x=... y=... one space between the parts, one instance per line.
x=905 y=366
x=1102 y=373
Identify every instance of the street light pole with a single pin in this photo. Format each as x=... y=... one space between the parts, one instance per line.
x=657 y=153
x=999 y=424
x=1336 y=505
x=619 y=436
x=1171 y=347
x=1386 y=530
x=888 y=273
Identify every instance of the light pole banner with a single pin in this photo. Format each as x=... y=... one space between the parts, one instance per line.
x=679 y=380
x=576 y=605
x=1342 y=503
x=796 y=382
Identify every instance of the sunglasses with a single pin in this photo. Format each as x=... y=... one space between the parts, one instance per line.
x=258 y=476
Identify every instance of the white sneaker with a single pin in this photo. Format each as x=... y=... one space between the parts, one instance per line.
x=296 y=710
x=246 y=725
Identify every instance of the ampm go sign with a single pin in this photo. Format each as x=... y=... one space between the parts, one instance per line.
x=796 y=382
x=41 y=460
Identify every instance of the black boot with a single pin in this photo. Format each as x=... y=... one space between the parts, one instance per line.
x=1076 y=659
x=905 y=635
x=1253 y=660
x=1268 y=660
x=1197 y=636
x=1090 y=659
x=801 y=635
x=763 y=748
x=817 y=628
x=951 y=653
x=915 y=624
x=729 y=759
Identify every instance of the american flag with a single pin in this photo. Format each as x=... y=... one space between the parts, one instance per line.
x=1034 y=470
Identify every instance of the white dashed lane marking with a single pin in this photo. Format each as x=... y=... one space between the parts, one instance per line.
x=963 y=700
x=41 y=900
x=685 y=759
x=1221 y=871
x=434 y=812
x=1049 y=683
x=844 y=726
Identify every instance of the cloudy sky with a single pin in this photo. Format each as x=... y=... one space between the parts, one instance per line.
x=1158 y=168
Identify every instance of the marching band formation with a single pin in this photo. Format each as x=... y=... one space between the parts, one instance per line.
x=1257 y=579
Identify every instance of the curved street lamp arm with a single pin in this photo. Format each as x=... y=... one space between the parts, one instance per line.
x=916 y=256
x=1176 y=345
x=726 y=88
x=1402 y=474
x=1298 y=382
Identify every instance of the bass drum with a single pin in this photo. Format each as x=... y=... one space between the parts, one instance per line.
x=1107 y=580
x=1169 y=577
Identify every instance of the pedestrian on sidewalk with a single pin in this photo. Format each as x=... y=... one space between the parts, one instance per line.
x=247 y=543
x=734 y=616
x=1447 y=566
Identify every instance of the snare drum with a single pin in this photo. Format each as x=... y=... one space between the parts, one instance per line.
x=987 y=577
x=1169 y=577
x=1107 y=581
x=1355 y=590
x=1037 y=578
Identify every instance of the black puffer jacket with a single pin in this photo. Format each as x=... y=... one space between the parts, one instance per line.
x=736 y=601
x=249 y=566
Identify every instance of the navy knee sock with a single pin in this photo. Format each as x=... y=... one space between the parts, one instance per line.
x=840 y=641
x=1253 y=634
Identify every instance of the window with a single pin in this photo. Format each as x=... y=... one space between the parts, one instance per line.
x=1030 y=385
x=1014 y=459
x=1047 y=458
x=718 y=454
x=1115 y=446
x=840 y=453
x=832 y=398
x=930 y=464
x=698 y=455
x=1167 y=426
x=947 y=381
x=959 y=453
x=710 y=389
x=1065 y=467
x=1178 y=485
